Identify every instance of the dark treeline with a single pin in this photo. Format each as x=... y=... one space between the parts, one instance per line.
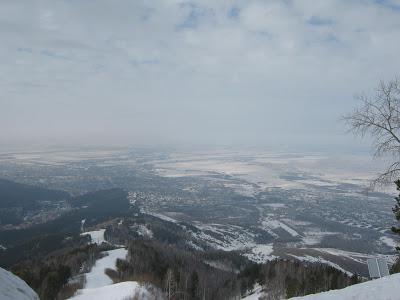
x=177 y=272
x=108 y=204
x=193 y=275
x=290 y=278
x=26 y=196
x=17 y=199
x=48 y=256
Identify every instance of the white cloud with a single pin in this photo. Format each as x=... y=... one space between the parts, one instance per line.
x=194 y=70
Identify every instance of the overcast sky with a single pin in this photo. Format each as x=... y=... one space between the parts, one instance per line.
x=190 y=72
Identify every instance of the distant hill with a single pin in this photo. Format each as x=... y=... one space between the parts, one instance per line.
x=94 y=207
x=18 y=200
x=25 y=196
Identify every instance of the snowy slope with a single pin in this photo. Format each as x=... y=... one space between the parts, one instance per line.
x=13 y=287
x=97 y=236
x=118 y=291
x=99 y=286
x=387 y=288
x=96 y=277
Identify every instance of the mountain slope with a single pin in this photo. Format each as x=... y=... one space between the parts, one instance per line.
x=15 y=194
x=12 y=287
x=387 y=288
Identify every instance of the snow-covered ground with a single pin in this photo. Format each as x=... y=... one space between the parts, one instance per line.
x=321 y=260
x=144 y=231
x=256 y=294
x=387 y=288
x=13 y=287
x=224 y=237
x=160 y=216
x=358 y=257
x=96 y=277
x=118 y=291
x=264 y=169
x=100 y=287
x=314 y=236
x=97 y=281
x=389 y=241
x=97 y=236
x=270 y=224
x=261 y=253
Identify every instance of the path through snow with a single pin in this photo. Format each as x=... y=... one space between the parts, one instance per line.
x=96 y=277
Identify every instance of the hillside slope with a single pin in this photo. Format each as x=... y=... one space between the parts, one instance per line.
x=117 y=291
x=12 y=287
x=387 y=288
x=15 y=194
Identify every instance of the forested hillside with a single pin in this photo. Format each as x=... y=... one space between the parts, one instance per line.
x=53 y=257
x=19 y=201
x=40 y=239
x=26 y=196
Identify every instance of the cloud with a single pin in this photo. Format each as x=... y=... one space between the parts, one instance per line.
x=190 y=71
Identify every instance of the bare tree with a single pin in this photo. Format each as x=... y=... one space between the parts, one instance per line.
x=170 y=283
x=379 y=117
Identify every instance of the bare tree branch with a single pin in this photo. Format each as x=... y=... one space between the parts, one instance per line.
x=379 y=117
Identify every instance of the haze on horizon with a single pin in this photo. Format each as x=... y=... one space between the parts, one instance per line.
x=191 y=72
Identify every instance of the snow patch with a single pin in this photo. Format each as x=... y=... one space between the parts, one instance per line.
x=144 y=231
x=314 y=237
x=255 y=294
x=321 y=260
x=389 y=241
x=119 y=291
x=160 y=216
x=224 y=237
x=261 y=253
x=386 y=288
x=356 y=256
x=97 y=236
x=96 y=277
x=269 y=224
x=12 y=287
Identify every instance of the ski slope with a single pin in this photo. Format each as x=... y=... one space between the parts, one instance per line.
x=96 y=236
x=100 y=287
x=97 y=276
x=117 y=291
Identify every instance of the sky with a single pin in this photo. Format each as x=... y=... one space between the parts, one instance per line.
x=211 y=72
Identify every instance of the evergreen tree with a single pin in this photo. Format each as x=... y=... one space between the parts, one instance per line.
x=194 y=283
